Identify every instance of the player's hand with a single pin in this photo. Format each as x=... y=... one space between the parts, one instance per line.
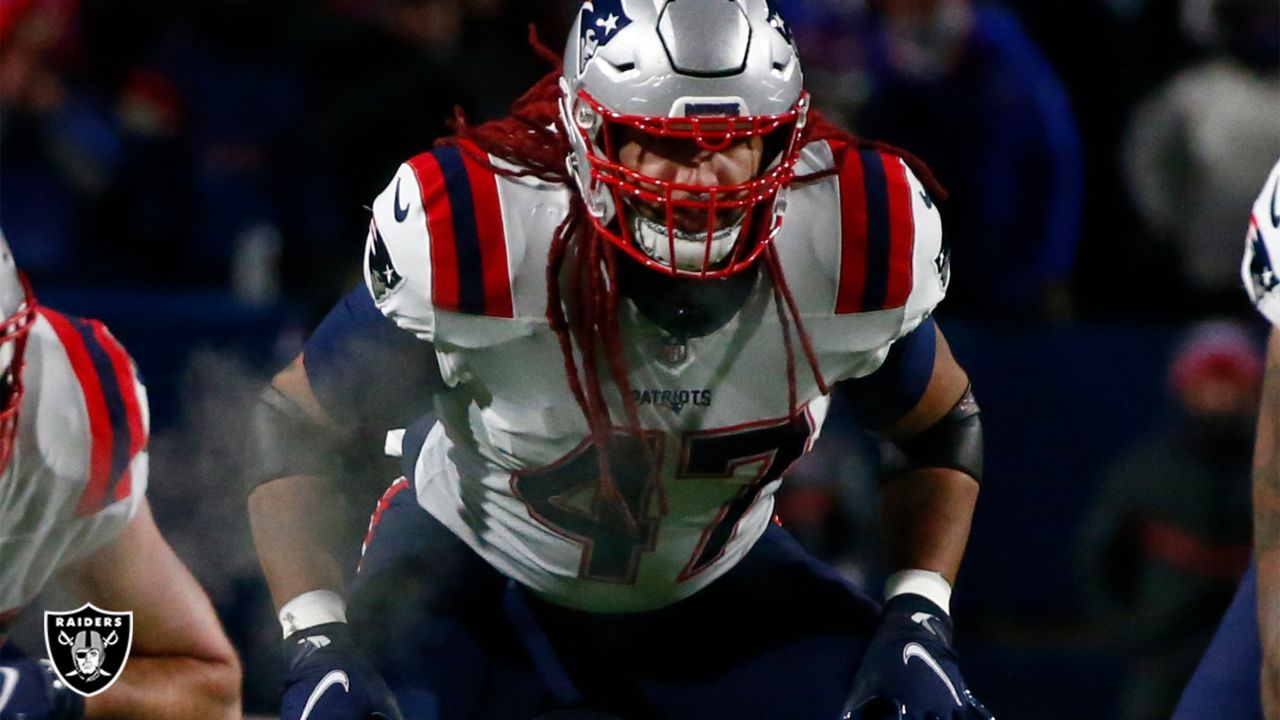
x=326 y=679
x=31 y=690
x=910 y=671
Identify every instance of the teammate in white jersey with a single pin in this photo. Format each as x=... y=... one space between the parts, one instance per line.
x=73 y=439
x=1242 y=665
x=628 y=305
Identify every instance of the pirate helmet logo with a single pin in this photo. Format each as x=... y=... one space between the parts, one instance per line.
x=88 y=647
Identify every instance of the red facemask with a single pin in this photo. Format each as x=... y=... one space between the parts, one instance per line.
x=14 y=334
x=734 y=222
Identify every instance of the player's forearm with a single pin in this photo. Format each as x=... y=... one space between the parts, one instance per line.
x=1266 y=510
x=295 y=524
x=926 y=515
x=162 y=688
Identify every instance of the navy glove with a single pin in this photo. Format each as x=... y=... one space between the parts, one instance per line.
x=31 y=690
x=910 y=671
x=326 y=679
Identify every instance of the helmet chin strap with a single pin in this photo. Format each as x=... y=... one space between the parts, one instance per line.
x=690 y=248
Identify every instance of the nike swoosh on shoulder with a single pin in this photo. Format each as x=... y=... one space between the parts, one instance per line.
x=335 y=677
x=916 y=650
x=8 y=683
x=1275 y=205
x=401 y=212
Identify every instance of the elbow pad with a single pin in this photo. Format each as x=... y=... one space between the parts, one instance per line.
x=284 y=440
x=954 y=442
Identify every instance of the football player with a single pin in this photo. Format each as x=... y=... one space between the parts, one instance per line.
x=73 y=439
x=1246 y=649
x=629 y=304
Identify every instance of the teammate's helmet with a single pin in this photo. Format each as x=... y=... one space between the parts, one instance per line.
x=17 y=307
x=705 y=73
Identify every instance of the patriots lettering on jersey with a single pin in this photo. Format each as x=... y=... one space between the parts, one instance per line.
x=107 y=382
x=674 y=399
x=384 y=279
x=601 y=21
x=469 y=268
x=877 y=232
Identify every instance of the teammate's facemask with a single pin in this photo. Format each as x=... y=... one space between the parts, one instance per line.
x=19 y=303
x=707 y=230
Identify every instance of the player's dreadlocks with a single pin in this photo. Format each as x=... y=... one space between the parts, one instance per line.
x=531 y=139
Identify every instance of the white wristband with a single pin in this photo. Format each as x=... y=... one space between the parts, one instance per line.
x=925 y=583
x=310 y=609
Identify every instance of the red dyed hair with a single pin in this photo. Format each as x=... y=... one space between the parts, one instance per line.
x=584 y=310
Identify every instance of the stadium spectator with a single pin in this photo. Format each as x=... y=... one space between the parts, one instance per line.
x=961 y=85
x=1202 y=143
x=1168 y=534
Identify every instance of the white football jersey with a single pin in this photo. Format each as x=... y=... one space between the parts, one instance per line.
x=458 y=255
x=79 y=466
x=1262 y=250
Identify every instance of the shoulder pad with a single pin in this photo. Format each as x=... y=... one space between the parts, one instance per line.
x=438 y=242
x=115 y=403
x=1262 y=250
x=891 y=252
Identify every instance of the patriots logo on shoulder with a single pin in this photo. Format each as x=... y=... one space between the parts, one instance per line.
x=942 y=263
x=602 y=20
x=384 y=279
x=1262 y=271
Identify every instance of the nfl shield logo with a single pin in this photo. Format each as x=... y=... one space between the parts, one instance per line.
x=674 y=351
x=88 y=647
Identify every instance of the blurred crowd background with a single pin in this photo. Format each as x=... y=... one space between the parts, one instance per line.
x=197 y=173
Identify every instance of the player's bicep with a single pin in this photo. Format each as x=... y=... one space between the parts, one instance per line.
x=947 y=384
x=138 y=571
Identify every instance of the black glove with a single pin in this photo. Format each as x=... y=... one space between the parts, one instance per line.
x=31 y=690
x=326 y=679
x=910 y=671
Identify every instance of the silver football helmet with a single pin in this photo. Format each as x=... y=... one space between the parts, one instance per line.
x=703 y=73
x=18 y=308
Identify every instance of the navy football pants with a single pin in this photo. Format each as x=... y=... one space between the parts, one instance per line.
x=1227 y=682
x=778 y=636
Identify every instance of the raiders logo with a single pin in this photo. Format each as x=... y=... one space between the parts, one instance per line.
x=384 y=279
x=88 y=647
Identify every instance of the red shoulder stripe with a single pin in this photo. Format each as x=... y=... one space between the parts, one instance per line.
x=122 y=366
x=902 y=232
x=877 y=232
x=853 y=235
x=469 y=268
x=101 y=435
x=435 y=203
x=492 y=236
